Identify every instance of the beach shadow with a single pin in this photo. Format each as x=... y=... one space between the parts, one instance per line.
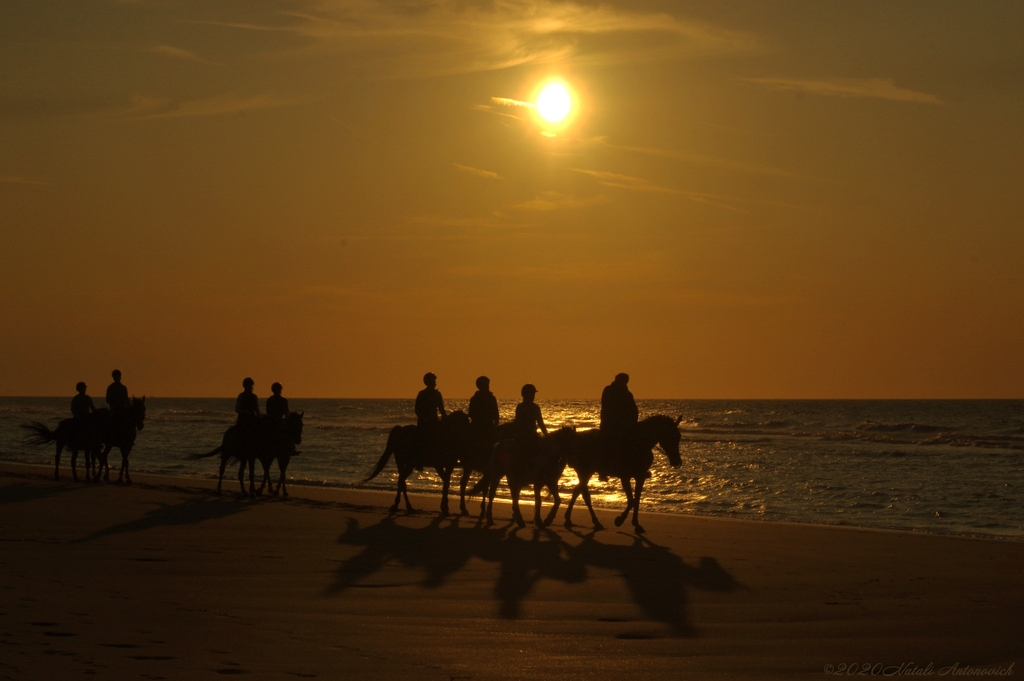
x=657 y=579
x=188 y=512
x=440 y=551
x=20 y=492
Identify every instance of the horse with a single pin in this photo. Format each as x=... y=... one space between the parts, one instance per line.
x=415 y=450
x=523 y=462
x=117 y=429
x=84 y=436
x=630 y=461
x=475 y=455
x=283 y=438
x=260 y=441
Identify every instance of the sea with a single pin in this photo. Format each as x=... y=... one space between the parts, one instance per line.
x=935 y=466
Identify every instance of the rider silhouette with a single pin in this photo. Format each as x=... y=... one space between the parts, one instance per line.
x=483 y=407
x=117 y=394
x=82 y=410
x=619 y=415
x=277 y=406
x=429 y=412
x=247 y=406
x=528 y=420
x=528 y=416
x=429 y=403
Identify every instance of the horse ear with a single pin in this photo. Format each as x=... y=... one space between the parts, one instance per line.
x=302 y=413
x=679 y=420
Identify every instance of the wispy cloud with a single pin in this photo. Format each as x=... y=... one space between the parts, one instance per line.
x=451 y=36
x=143 y=108
x=872 y=88
x=550 y=201
x=505 y=101
x=639 y=184
x=175 y=53
x=626 y=182
x=479 y=173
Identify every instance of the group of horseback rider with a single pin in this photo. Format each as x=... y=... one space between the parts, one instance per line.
x=619 y=413
x=83 y=410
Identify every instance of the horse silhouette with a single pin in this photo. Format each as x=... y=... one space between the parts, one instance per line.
x=265 y=441
x=284 y=436
x=84 y=437
x=450 y=444
x=117 y=429
x=538 y=462
x=630 y=461
x=475 y=455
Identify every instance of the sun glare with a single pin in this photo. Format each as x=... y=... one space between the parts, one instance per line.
x=554 y=103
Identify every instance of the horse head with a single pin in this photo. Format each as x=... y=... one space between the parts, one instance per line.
x=293 y=426
x=665 y=430
x=138 y=411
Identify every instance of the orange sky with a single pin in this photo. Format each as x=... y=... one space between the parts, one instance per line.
x=766 y=200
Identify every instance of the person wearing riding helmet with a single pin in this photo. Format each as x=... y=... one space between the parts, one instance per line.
x=528 y=416
x=247 y=406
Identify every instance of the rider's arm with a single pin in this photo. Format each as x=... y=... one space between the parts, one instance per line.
x=540 y=422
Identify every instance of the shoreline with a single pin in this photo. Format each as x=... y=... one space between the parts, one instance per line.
x=428 y=502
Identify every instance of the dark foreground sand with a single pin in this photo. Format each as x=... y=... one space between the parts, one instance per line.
x=165 y=580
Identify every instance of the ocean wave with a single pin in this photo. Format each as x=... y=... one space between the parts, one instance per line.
x=740 y=425
x=873 y=426
x=332 y=426
x=196 y=412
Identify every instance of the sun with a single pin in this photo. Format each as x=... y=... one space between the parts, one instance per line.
x=554 y=103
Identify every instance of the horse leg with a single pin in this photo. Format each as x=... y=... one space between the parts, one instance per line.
x=556 y=503
x=104 y=468
x=537 y=489
x=241 y=475
x=266 y=474
x=492 y=490
x=572 y=502
x=462 y=492
x=446 y=482
x=125 y=451
x=252 y=476
x=404 y=471
x=636 y=504
x=590 y=507
x=56 y=461
x=516 y=513
x=223 y=465
x=629 y=502
x=282 y=465
x=74 y=464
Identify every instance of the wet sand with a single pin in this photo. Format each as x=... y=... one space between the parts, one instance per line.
x=165 y=580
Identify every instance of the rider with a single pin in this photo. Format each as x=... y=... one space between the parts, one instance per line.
x=619 y=415
x=82 y=410
x=247 y=406
x=277 y=406
x=528 y=420
x=429 y=412
x=483 y=407
x=117 y=395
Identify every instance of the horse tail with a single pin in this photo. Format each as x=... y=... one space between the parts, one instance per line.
x=386 y=456
x=193 y=457
x=38 y=434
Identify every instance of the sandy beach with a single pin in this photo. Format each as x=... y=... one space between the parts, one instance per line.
x=166 y=580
